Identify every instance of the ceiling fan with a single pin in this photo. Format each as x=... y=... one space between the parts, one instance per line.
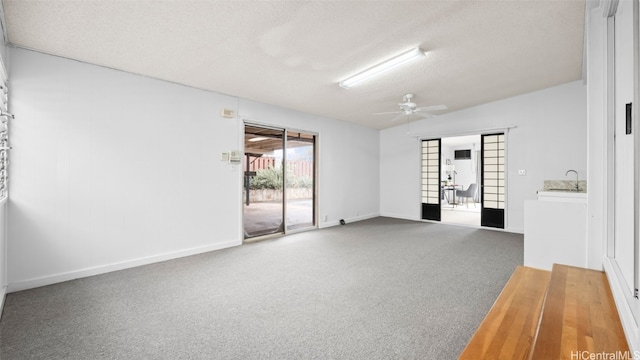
x=408 y=107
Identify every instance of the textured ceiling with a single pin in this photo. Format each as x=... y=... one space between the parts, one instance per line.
x=293 y=53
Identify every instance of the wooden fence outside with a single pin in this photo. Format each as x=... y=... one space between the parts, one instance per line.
x=299 y=168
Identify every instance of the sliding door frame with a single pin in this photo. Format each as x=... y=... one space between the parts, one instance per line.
x=282 y=228
x=314 y=193
x=286 y=130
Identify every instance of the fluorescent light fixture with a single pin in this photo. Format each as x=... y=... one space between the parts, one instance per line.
x=383 y=67
x=256 y=139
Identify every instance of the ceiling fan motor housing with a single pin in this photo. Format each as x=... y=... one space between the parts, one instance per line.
x=408 y=106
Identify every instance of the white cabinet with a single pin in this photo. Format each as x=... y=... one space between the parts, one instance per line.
x=555 y=230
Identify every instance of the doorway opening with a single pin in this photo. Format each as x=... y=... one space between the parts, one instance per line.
x=279 y=181
x=463 y=180
x=460 y=174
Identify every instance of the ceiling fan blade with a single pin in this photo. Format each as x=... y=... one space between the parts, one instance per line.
x=432 y=108
x=398 y=117
x=388 y=112
x=407 y=104
x=426 y=115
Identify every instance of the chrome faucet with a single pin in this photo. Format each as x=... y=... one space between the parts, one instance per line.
x=577 y=186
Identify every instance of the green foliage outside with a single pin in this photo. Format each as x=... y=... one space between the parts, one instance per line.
x=272 y=179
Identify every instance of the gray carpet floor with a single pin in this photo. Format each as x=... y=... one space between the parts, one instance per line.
x=376 y=289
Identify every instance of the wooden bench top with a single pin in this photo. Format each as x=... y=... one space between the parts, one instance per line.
x=579 y=315
x=508 y=330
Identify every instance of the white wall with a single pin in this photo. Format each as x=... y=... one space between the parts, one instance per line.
x=549 y=138
x=465 y=169
x=3 y=252
x=597 y=151
x=3 y=207
x=112 y=170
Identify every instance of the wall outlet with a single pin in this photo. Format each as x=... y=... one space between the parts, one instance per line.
x=326 y=218
x=522 y=172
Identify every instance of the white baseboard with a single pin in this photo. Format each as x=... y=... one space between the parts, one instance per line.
x=629 y=325
x=401 y=216
x=57 y=278
x=348 y=220
x=361 y=217
x=329 y=224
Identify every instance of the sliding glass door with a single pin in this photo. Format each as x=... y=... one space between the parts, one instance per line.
x=279 y=181
x=263 y=181
x=300 y=180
